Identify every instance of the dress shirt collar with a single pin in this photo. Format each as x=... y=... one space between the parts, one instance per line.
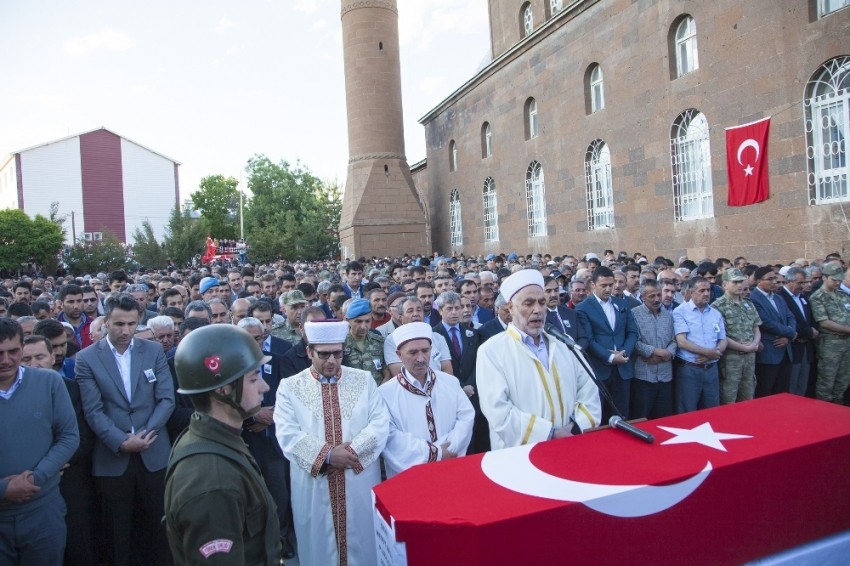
x=115 y=352
x=8 y=393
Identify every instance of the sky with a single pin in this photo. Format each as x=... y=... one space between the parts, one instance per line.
x=211 y=83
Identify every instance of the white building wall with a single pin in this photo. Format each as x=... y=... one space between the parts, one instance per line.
x=9 y=184
x=149 y=192
x=52 y=173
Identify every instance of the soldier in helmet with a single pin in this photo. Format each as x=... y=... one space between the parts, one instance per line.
x=217 y=507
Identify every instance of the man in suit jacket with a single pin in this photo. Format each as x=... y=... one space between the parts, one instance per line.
x=803 y=347
x=463 y=343
x=610 y=335
x=128 y=396
x=561 y=317
x=499 y=323
x=778 y=331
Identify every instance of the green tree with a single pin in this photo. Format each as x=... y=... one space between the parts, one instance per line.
x=106 y=255
x=291 y=214
x=24 y=240
x=184 y=238
x=146 y=250
x=217 y=201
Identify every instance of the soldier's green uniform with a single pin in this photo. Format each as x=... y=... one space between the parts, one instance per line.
x=287 y=332
x=220 y=511
x=367 y=355
x=833 y=348
x=737 y=369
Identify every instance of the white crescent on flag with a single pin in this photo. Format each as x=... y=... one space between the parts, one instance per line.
x=512 y=468
x=749 y=142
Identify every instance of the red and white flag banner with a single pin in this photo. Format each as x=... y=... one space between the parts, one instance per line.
x=746 y=162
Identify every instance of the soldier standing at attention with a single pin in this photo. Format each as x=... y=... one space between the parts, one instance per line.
x=738 y=365
x=364 y=349
x=831 y=310
x=217 y=507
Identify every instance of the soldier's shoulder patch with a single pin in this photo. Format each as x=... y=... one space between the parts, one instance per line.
x=222 y=545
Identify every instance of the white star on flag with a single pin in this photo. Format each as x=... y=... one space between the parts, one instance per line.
x=748 y=170
x=703 y=434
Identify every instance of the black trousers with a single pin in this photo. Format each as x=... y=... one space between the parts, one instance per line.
x=773 y=378
x=133 y=505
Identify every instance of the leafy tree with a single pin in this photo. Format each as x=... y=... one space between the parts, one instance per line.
x=106 y=255
x=146 y=250
x=184 y=238
x=58 y=219
x=23 y=240
x=291 y=214
x=218 y=202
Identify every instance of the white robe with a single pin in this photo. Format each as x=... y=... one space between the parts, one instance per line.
x=522 y=400
x=410 y=441
x=350 y=411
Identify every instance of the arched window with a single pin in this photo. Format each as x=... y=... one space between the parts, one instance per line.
x=595 y=88
x=454 y=214
x=687 y=57
x=531 y=126
x=452 y=156
x=526 y=19
x=827 y=111
x=600 y=193
x=690 y=157
x=491 y=213
x=556 y=6
x=486 y=140
x=535 y=196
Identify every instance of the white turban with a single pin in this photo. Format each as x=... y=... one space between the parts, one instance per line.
x=326 y=332
x=522 y=278
x=411 y=331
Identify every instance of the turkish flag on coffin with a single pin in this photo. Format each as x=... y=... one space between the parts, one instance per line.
x=720 y=486
x=746 y=163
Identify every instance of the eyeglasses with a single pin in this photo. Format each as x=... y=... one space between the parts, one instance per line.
x=325 y=355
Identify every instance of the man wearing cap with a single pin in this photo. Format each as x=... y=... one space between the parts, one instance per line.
x=778 y=330
x=831 y=310
x=208 y=288
x=332 y=425
x=738 y=365
x=422 y=431
x=218 y=509
x=363 y=349
x=292 y=303
x=531 y=387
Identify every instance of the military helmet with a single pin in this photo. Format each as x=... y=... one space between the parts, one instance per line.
x=215 y=355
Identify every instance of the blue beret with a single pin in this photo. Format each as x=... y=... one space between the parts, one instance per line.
x=358 y=307
x=208 y=283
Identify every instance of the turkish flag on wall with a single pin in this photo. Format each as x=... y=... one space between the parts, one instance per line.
x=746 y=162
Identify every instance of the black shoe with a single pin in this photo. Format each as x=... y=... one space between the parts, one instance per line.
x=288 y=552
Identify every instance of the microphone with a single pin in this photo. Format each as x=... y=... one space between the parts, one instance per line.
x=618 y=422
x=562 y=336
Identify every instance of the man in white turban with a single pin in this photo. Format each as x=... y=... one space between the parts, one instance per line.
x=530 y=385
x=332 y=425
x=430 y=415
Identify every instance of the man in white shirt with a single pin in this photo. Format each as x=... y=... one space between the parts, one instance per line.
x=431 y=417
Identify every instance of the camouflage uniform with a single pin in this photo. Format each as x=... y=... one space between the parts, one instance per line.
x=286 y=332
x=833 y=348
x=369 y=358
x=737 y=369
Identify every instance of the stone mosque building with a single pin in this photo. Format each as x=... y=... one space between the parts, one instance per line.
x=601 y=124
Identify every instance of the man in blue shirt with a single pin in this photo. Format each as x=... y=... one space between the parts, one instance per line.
x=701 y=338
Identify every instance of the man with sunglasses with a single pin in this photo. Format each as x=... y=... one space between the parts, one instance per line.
x=332 y=425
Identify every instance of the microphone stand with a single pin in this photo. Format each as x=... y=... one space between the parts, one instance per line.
x=578 y=352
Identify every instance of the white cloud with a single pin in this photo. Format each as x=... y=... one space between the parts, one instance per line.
x=423 y=22
x=223 y=25
x=319 y=24
x=106 y=39
x=234 y=50
x=307 y=6
x=429 y=85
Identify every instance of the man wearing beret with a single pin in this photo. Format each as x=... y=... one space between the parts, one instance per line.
x=364 y=348
x=831 y=310
x=531 y=387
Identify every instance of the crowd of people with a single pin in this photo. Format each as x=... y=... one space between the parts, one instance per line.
x=282 y=393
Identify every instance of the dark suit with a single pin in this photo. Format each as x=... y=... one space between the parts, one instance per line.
x=131 y=485
x=565 y=320
x=294 y=361
x=435 y=317
x=803 y=348
x=463 y=367
x=600 y=340
x=490 y=329
x=483 y=315
x=773 y=365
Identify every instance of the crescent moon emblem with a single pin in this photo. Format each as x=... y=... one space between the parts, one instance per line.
x=512 y=469
x=750 y=142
